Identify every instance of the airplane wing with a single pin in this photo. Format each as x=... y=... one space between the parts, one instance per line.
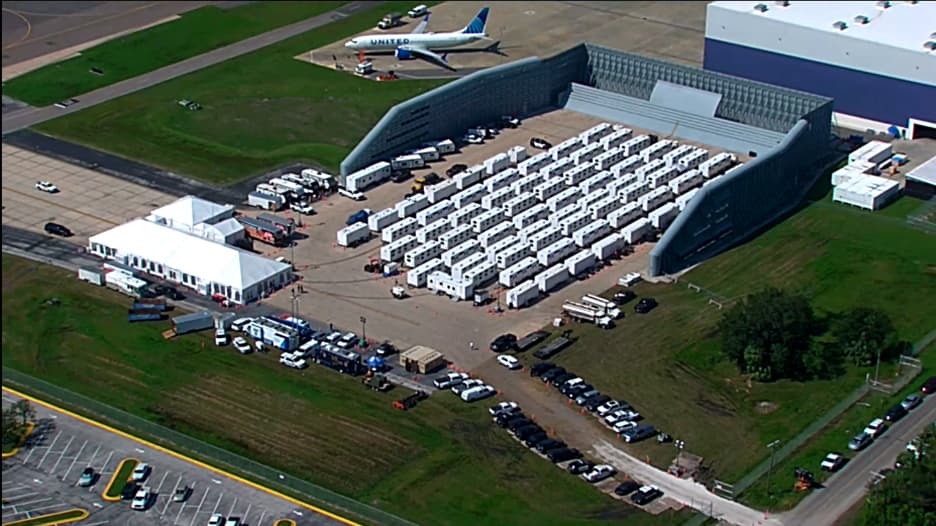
x=427 y=55
x=421 y=28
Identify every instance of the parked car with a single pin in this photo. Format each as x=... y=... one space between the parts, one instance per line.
x=216 y=519
x=504 y=419
x=141 y=472
x=87 y=477
x=646 y=495
x=242 y=345
x=645 y=305
x=142 y=499
x=599 y=473
x=534 y=439
x=221 y=338
x=512 y=422
x=562 y=454
x=876 y=427
x=540 y=368
x=233 y=521
x=169 y=292
x=449 y=380
x=911 y=401
x=473 y=139
x=302 y=208
x=568 y=384
x=549 y=375
x=593 y=404
x=347 y=341
x=549 y=445
x=58 y=230
x=456 y=169
x=181 y=494
x=573 y=392
x=623 y=425
x=46 y=186
x=895 y=413
x=527 y=431
x=540 y=144
x=240 y=324
x=560 y=380
x=608 y=406
x=504 y=342
x=584 y=396
x=465 y=385
x=833 y=462
x=504 y=408
x=129 y=490
x=477 y=393
x=509 y=361
x=579 y=466
x=623 y=297
x=636 y=434
x=386 y=349
x=626 y=488
x=929 y=386
x=509 y=121
x=859 y=442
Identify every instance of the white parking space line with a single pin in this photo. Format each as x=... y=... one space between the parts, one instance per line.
x=99 y=523
x=231 y=511
x=169 y=500
x=262 y=516
x=32 y=450
x=159 y=487
x=55 y=466
x=106 y=462
x=53 y=505
x=215 y=509
x=246 y=514
x=20 y=496
x=70 y=466
x=94 y=456
x=49 y=450
x=28 y=503
x=197 y=510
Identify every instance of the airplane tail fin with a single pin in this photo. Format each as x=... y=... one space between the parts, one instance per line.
x=476 y=26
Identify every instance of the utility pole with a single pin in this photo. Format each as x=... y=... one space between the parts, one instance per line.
x=773 y=448
x=294 y=296
x=363 y=331
x=877 y=367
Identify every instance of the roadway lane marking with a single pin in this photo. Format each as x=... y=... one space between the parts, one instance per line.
x=176 y=487
x=55 y=466
x=49 y=450
x=65 y=476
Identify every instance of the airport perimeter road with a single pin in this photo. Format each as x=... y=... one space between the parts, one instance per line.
x=847 y=487
x=26 y=117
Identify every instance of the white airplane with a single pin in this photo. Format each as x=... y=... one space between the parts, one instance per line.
x=419 y=44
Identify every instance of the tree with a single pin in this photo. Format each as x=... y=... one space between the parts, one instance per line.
x=768 y=333
x=12 y=429
x=24 y=411
x=907 y=495
x=861 y=333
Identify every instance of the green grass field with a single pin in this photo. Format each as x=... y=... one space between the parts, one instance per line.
x=668 y=363
x=442 y=463
x=261 y=110
x=196 y=32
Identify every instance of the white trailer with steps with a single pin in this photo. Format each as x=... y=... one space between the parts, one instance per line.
x=417 y=277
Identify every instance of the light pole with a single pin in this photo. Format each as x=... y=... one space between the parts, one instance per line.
x=363 y=342
x=773 y=448
x=877 y=366
x=294 y=296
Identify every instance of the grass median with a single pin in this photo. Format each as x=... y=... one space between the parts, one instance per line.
x=196 y=32
x=119 y=479
x=261 y=110
x=53 y=519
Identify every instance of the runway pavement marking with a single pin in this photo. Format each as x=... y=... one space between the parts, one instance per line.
x=55 y=466
x=49 y=450
x=65 y=476
x=28 y=28
x=169 y=500
x=79 y=26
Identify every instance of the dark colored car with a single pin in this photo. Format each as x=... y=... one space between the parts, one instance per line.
x=576 y=390
x=540 y=368
x=456 y=169
x=169 y=292
x=527 y=431
x=518 y=423
x=645 y=305
x=577 y=467
x=506 y=420
x=626 y=488
x=129 y=490
x=625 y=296
x=504 y=343
x=401 y=175
x=386 y=349
x=540 y=144
x=549 y=445
x=558 y=381
x=636 y=434
x=563 y=454
x=895 y=413
x=58 y=230
x=433 y=178
x=929 y=386
x=534 y=439
x=551 y=374
x=592 y=405
x=646 y=495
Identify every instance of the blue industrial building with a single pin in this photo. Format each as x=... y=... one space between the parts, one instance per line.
x=785 y=131
x=876 y=59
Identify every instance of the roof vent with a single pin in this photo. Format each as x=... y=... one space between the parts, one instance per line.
x=883 y=5
x=930 y=45
x=861 y=19
x=761 y=7
x=841 y=26
x=783 y=3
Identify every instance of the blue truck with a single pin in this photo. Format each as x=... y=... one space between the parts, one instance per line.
x=358 y=217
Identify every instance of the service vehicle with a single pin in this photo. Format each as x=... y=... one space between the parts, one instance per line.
x=390 y=20
x=220 y=338
x=418 y=11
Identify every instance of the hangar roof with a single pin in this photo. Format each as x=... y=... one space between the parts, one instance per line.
x=903 y=24
x=925 y=173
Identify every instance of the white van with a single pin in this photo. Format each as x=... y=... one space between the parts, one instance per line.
x=355 y=196
x=477 y=393
x=418 y=11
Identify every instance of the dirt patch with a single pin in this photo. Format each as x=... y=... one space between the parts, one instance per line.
x=765 y=408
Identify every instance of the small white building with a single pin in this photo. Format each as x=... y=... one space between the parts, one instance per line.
x=867 y=191
x=185 y=213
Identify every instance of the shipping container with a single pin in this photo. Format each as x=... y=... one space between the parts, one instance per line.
x=519 y=272
x=417 y=277
x=469 y=177
x=497 y=163
x=471 y=195
x=556 y=252
x=368 y=176
x=596 y=182
x=684 y=199
x=525 y=233
x=525 y=184
x=421 y=254
x=634 y=192
x=563 y=199
x=605 y=249
x=497 y=198
x=635 y=145
x=464 y=216
x=456 y=236
x=686 y=182
x=410 y=161
x=596 y=133
x=428 y=154
x=446 y=146
x=591 y=232
x=412 y=204
x=487 y=219
x=628 y=166
x=694 y=159
x=517 y=154
x=511 y=255
x=575 y=221
x=544 y=191
x=445 y=284
x=586 y=154
x=625 y=215
x=91 y=275
x=397 y=249
x=482 y=274
x=717 y=165
x=496 y=233
x=436 y=212
x=551 y=278
x=502 y=179
x=662 y=217
x=636 y=231
x=655 y=198
x=545 y=238
x=382 y=219
x=663 y=176
x=455 y=254
x=534 y=164
x=466 y=264
x=526 y=218
x=404 y=227
x=601 y=209
x=575 y=176
x=671 y=158
x=522 y=295
x=658 y=150
x=353 y=235
x=433 y=231
x=616 y=138
x=581 y=262
x=557 y=169
x=441 y=191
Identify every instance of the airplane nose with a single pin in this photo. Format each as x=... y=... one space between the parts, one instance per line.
x=349 y=44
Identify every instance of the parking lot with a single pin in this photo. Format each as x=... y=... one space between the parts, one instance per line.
x=43 y=476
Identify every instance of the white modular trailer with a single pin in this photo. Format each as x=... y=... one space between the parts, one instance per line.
x=587 y=154
x=576 y=175
x=627 y=166
x=607 y=247
x=417 y=277
x=596 y=133
x=497 y=163
x=557 y=169
x=511 y=255
x=663 y=176
x=868 y=191
x=519 y=204
x=434 y=213
x=609 y=158
x=353 y=235
x=565 y=148
x=717 y=165
x=410 y=161
x=636 y=231
x=663 y=216
x=694 y=159
x=505 y=178
x=285 y=185
x=501 y=246
x=616 y=138
x=671 y=158
x=460 y=268
x=601 y=209
x=657 y=150
x=402 y=228
x=375 y=173
x=545 y=190
x=382 y=219
x=525 y=233
x=634 y=192
x=580 y=262
x=563 y=198
x=428 y=154
x=586 y=202
x=464 y=215
x=454 y=255
x=556 y=252
x=517 y=154
x=551 y=278
x=557 y=217
x=469 y=196
x=456 y=236
x=526 y=183
x=684 y=199
x=519 y=272
x=574 y=222
x=522 y=295
x=422 y=254
x=412 y=204
x=647 y=169
x=596 y=182
x=440 y=191
x=496 y=199
x=487 y=220
x=495 y=234
x=638 y=143
x=530 y=216
x=622 y=182
x=625 y=215
x=545 y=238
x=482 y=273
x=442 y=282
x=469 y=177
x=396 y=250
x=534 y=164
x=433 y=231
x=655 y=198
x=445 y=146
x=686 y=182
x=591 y=232
x=874 y=152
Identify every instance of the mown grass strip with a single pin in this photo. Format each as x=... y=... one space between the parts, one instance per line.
x=57 y=519
x=121 y=476
x=285 y=522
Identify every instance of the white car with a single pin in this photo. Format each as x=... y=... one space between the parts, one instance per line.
x=242 y=346
x=141 y=499
x=598 y=473
x=347 y=340
x=354 y=196
x=141 y=472
x=46 y=186
x=508 y=361
x=473 y=139
x=504 y=408
x=221 y=337
x=418 y=11
x=623 y=425
x=832 y=462
x=240 y=324
x=607 y=407
x=302 y=208
x=466 y=385
x=477 y=393
x=288 y=361
x=616 y=416
x=876 y=428
x=447 y=381
x=233 y=521
x=216 y=519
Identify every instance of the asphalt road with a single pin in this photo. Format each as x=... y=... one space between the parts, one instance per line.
x=846 y=488
x=24 y=118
